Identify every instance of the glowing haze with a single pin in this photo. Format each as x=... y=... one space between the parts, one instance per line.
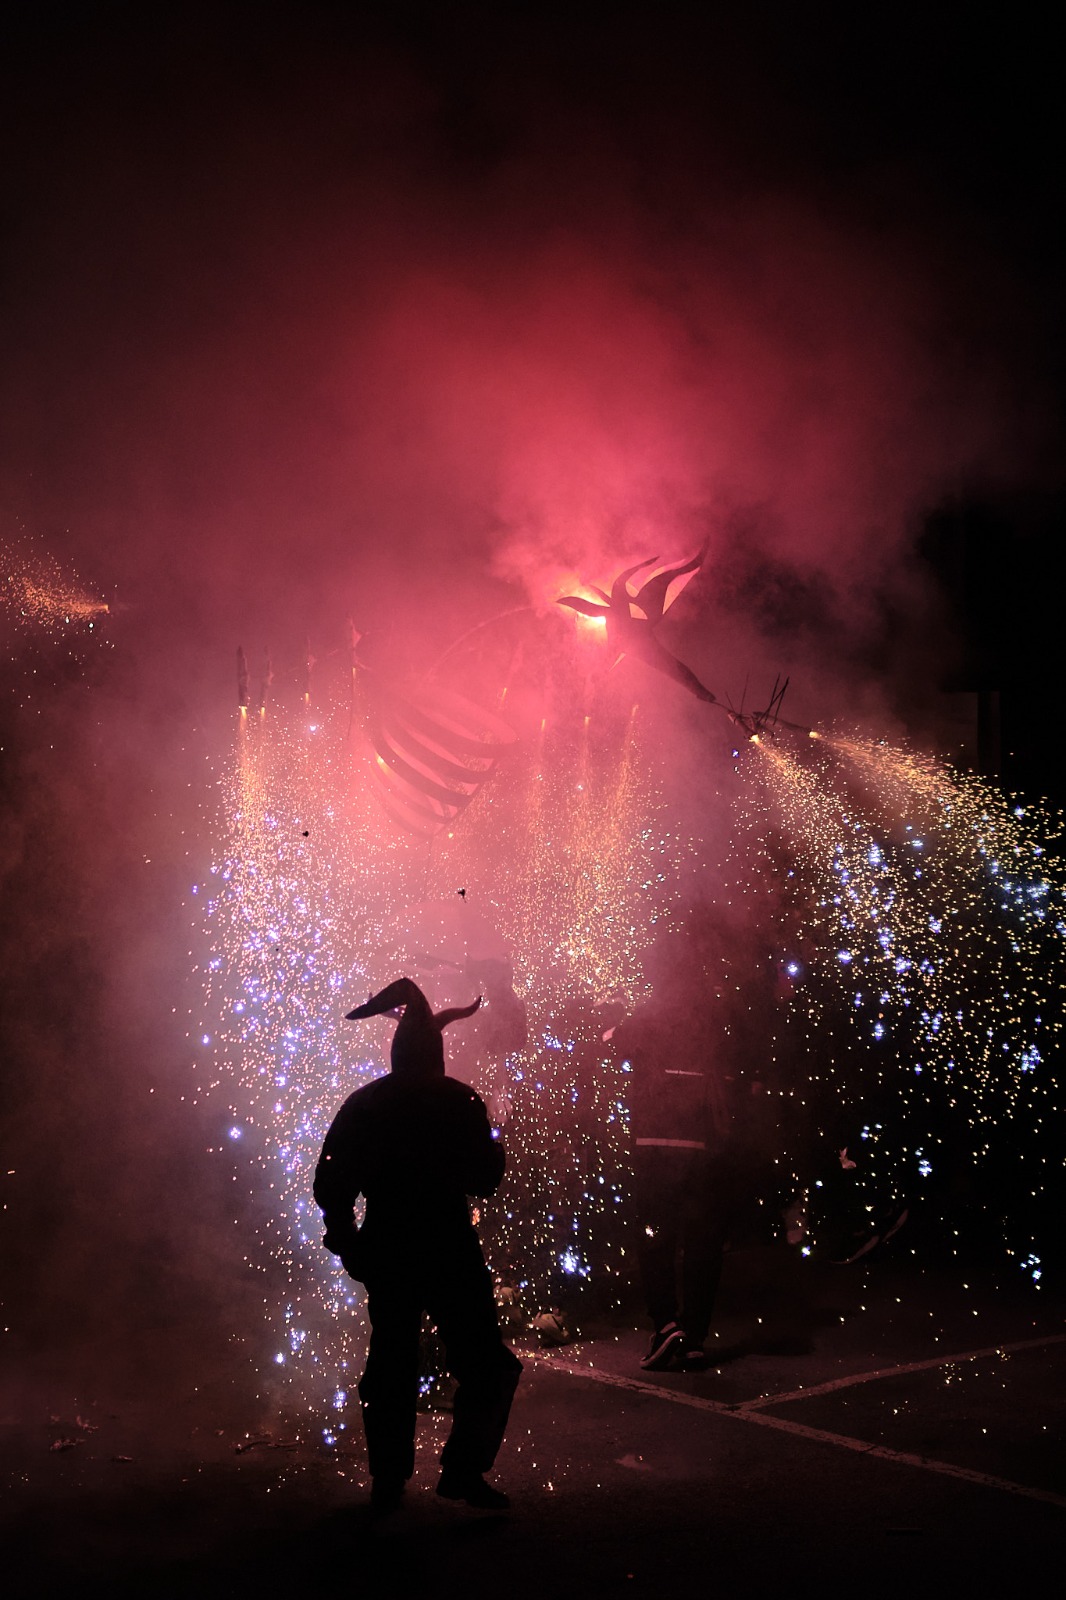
x=425 y=327
x=283 y=353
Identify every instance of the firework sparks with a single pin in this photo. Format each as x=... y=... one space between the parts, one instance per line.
x=36 y=593
x=930 y=1006
x=918 y=920
x=311 y=903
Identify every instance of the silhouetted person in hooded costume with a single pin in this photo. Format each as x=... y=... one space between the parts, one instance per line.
x=416 y=1143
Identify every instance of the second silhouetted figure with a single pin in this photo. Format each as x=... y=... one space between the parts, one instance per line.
x=416 y=1143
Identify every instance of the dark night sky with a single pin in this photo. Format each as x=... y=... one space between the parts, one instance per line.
x=400 y=308
x=276 y=275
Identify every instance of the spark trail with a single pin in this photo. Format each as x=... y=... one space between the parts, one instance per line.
x=37 y=593
x=930 y=1005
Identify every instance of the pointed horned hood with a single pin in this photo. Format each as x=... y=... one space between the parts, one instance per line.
x=417 y=1046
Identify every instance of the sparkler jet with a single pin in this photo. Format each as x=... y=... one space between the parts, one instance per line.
x=310 y=662
x=632 y=619
x=242 y=679
x=265 y=682
x=757 y=723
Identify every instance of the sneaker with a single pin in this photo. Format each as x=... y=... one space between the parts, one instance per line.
x=665 y=1344
x=471 y=1487
x=692 y=1358
x=860 y=1247
x=895 y=1223
x=855 y=1249
x=386 y=1493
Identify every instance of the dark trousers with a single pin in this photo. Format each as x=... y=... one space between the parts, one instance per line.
x=452 y=1284
x=688 y=1205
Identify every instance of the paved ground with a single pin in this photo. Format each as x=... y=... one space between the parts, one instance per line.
x=875 y=1429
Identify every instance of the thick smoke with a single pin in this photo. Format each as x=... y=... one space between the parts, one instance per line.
x=273 y=325
x=329 y=318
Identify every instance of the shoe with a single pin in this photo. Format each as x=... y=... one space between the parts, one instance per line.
x=471 y=1487
x=855 y=1249
x=859 y=1247
x=895 y=1223
x=386 y=1493
x=665 y=1344
x=692 y=1358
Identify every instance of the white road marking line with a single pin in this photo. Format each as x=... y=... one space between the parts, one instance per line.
x=892 y=1372
x=947 y=1469
x=617 y=1381
x=817 y=1435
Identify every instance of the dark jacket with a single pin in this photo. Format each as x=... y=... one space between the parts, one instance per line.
x=670 y=1085
x=415 y=1146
